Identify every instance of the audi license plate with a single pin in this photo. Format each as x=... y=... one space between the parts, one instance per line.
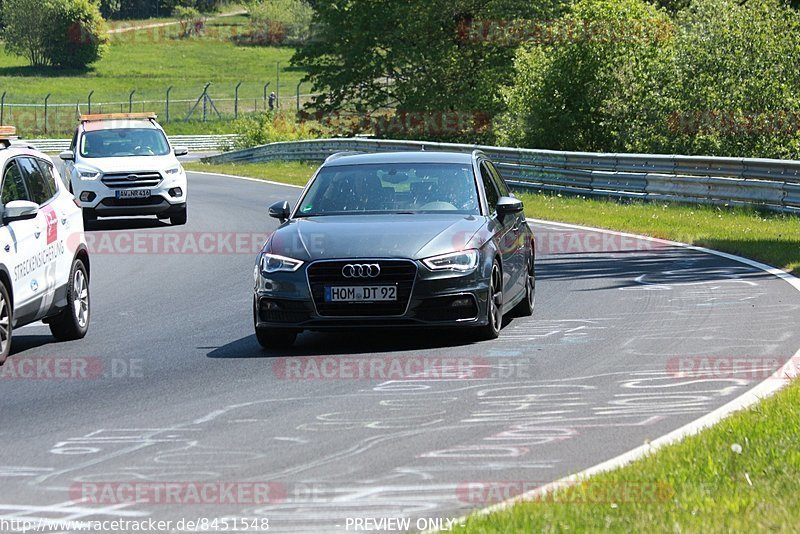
x=133 y=193
x=360 y=293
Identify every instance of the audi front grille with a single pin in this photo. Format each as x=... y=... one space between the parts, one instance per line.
x=399 y=273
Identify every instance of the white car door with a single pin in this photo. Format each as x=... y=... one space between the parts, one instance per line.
x=19 y=242
x=48 y=234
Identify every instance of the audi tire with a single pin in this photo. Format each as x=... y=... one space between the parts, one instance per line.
x=273 y=338
x=494 y=306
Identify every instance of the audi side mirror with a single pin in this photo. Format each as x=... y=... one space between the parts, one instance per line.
x=508 y=206
x=280 y=210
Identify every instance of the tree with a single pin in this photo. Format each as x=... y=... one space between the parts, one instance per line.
x=64 y=33
x=573 y=90
x=280 y=21
x=414 y=55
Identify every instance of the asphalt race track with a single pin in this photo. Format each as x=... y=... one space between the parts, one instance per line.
x=171 y=386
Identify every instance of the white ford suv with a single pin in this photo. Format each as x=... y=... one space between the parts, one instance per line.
x=44 y=261
x=122 y=164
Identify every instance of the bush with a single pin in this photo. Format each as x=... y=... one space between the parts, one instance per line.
x=264 y=128
x=203 y=6
x=64 y=33
x=568 y=89
x=276 y=22
x=721 y=80
x=732 y=82
x=190 y=20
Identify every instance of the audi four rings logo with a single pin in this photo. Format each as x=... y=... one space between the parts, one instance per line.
x=361 y=270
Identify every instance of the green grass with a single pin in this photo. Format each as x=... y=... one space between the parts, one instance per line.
x=768 y=237
x=294 y=173
x=149 y=61
x=703 y=481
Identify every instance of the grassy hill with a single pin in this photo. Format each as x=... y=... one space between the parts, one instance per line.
x=149 y=61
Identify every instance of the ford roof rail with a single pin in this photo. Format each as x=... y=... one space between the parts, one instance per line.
x=117 y=116
x=8 y=134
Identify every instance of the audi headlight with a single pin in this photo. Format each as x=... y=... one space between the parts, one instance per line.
x=463 y=261
x=174 y=170
x=272 y=263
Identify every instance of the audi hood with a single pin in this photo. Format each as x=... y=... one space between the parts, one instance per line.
x=413 y=236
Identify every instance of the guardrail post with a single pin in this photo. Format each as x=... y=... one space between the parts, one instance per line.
x=130 y=101
x=45 y=111
x=169 y=89
x=236 y=101
x=3 y=108
x=89 y=102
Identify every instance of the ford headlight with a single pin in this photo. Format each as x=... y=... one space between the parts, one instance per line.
x=88 y=174
x=462 y=261
x=272 y=263
x=174 y=170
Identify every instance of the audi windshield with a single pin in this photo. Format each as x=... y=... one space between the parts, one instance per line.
x=392 y=188
x=124 y=142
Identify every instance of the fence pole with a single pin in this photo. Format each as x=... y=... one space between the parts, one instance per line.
x=89 y=99
x=236 y=102
x=278 y=84
x=45 y=111
x=130 y=101
x=265 y=96
x=205 y=102
x=3 y=108
x=167 y=103
x=298 y=96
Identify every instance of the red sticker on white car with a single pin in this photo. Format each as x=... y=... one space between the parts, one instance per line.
x=52 y=225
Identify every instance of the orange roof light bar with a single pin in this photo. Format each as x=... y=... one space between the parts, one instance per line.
x=117 y=116
x=7 y=132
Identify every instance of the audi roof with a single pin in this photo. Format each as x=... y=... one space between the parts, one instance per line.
x=420 y=156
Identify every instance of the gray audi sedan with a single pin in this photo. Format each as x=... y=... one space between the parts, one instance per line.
x=400 y=239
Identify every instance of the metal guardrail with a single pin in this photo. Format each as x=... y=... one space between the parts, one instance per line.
x=767 y=183
x=193 y=142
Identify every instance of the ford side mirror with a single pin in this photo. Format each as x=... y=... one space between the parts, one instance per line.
x=280 y=210
x=181 y=150
x=67 y=155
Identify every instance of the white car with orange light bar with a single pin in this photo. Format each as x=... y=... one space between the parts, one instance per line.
x=122 y=164
x=44 y=261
